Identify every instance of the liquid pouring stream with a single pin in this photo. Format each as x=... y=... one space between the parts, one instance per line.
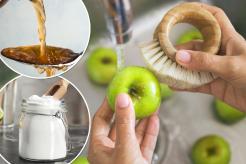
x=45 y=58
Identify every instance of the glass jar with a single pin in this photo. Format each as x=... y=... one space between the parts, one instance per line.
x=43 y=134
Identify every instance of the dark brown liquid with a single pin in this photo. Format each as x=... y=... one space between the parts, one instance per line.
x=50 y=70
x=40 y=54
x=2 y=2
x=30 y=54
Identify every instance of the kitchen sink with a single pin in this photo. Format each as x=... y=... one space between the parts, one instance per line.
x=185 y=117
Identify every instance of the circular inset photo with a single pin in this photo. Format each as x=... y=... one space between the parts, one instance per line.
x=42 y=121
x=43 y=38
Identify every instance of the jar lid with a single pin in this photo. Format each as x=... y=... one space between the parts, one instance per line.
x=45 y=105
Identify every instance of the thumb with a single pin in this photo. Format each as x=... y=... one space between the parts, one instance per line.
x=124 y=120
x=201 y=61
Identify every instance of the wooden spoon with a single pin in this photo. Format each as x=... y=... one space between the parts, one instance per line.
x=58 y=90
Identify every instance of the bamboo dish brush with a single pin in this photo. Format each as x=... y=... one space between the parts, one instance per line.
x=159 y=54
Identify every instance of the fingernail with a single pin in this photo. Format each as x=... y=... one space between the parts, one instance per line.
x=183 y=56
x=122 y=101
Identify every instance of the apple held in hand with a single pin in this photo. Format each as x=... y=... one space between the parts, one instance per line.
x=81 y=160
x=227 y=113
x=141 y=85
x=211 y=149
x=188 y=36
x=102 y=65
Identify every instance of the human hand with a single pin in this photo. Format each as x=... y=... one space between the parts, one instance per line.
x=122 y=143
x=230 y=66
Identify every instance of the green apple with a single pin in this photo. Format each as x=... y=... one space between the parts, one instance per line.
x=190 y=35
x=102 y=65
x=227 y=113
x=81 y=160
x=141 y=85
x=211 y=149
x=166 y=92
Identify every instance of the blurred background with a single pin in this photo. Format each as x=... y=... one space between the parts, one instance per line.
x=185 y=117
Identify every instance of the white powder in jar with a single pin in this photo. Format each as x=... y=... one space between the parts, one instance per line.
x=42 y=136
x=44 y=100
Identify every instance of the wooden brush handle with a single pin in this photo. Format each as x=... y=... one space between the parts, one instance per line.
x=58 y=90
x=197 y=16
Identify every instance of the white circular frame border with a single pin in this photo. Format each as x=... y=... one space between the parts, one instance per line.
x=87 y=107
x=73 y=65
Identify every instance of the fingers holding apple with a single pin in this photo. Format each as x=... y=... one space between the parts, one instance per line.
x=141 y=85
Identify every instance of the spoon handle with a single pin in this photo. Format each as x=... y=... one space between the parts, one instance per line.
x=58 y=90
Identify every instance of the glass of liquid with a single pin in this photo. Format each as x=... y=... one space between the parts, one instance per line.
x=8 y=111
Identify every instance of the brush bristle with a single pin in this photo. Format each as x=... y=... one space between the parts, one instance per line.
x=170 y=72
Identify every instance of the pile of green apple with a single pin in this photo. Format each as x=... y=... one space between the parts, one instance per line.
x=227 y=113
x=211 y=149
x=81 y=160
